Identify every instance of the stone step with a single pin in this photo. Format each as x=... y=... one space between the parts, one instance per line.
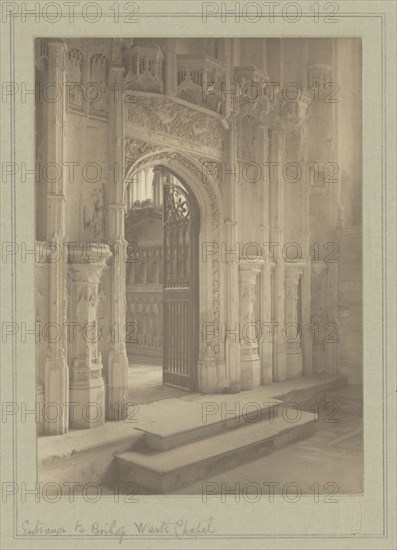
x=207 y=420
x=163 y=472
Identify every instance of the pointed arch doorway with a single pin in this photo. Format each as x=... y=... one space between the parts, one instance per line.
x=162 y=230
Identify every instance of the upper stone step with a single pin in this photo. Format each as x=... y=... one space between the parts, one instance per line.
x=206 y=419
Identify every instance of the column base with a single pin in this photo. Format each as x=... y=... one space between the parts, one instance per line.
x=207 y=376
x=250 y=371
x=117 y=402
x=266 y=355
x=56 y=394
x=294 y=361
x=87 y=405
x=280 y=374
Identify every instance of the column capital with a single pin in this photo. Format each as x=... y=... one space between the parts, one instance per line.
x=249 y=267
x=292 y=274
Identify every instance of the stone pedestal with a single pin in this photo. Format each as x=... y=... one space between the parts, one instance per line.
x=87 y=390
x=250 y=369
x=292 y=330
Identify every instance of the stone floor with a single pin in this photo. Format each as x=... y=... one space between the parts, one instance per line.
x=331 y=458
x=145 y=384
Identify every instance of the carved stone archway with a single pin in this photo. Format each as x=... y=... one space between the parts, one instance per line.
x=211 y=364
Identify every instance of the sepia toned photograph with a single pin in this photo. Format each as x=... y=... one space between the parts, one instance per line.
x=198 y=276
x=197 y=288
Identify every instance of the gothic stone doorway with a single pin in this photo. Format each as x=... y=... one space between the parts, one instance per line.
x=162 y=228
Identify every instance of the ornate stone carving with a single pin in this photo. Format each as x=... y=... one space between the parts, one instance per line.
x=270 y=106
x=135 y=148
x=86 y=263
x=171 y=120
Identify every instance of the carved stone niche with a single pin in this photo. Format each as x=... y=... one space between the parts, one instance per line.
x=144 y=66
x=86 y=263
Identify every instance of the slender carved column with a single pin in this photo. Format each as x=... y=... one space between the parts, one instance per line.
x=232 y=342
x=277 y=239
x=87 y=390
x=148 y=194
x=331 y=343
x=306 y=284
x=41 y=274
x=117 y=359
x=250 y=375
x=56 y=368
x=266 y=340
x=324 y=151
x=291 y=326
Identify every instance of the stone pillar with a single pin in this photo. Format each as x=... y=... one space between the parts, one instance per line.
x=277 y=240
x=250 y=370
x=232 y=337
x=41 y=284
x=266 y=340
x=292 y=332
x=56 y=381
x=156 y=188
x=87 y=390
x=331 y=344
x=117 y=360
x=307 y=336
x=148 y=194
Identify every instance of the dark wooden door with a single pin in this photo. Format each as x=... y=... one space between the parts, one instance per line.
x=180 y=288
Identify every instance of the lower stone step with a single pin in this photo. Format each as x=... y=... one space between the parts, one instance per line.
x=163 y=472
